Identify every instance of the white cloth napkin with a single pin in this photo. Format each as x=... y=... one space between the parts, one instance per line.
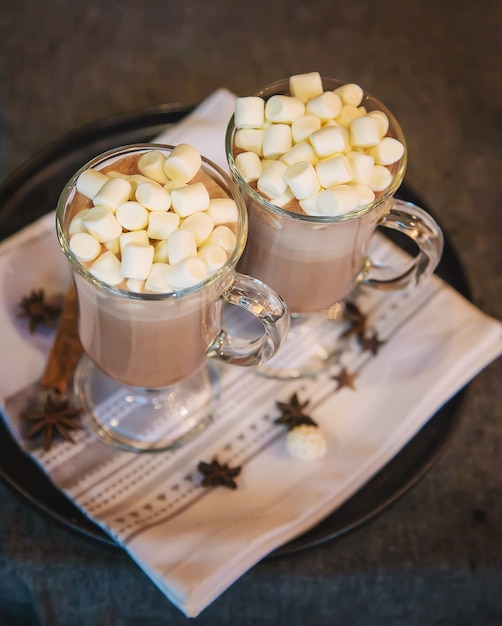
x=195 y=542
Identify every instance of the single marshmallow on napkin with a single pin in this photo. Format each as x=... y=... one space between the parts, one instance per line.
x=194 y=542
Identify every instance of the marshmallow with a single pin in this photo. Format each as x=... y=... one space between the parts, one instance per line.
x=135 y=285
x=174 y=184
x=350 y=93
x=284 y=109
x=115 y=174
x=361 y=165
x=161 y=253
x=380 y=178
x=365 y=131
x=182 y=163
x=366 y=195
x=114 y=192
x=153 y=197
x=301 y=151
x=349 y=113
x=383 y=119
x=284 y=198
x=306 y=86
x=304 y=126
x=249 y=112
x=328 y=141
x=113 y=245
x=334 y=171
x=213 y=256
x=190 y=199
x=309 y=205
x=337 y=200
x=187 y=273
x=249 y=165
x=84 y=246
x=77 y=223
x=132 y=215
x=306 y=442
x=224 y=237
x=277 y=140
x=272 y=182
x=200 y=224
x=101 y=223
x=326 y=106
x=90 y=182
x=151 y=164
x=388 y=151
x=223 y=211
x=249 y=140
x=135 y=180
x=137 y=260
x=181 y=245
x=107 y=269
x=302 y=179
x=161 y=224
x=136 y=236
x=156 y=280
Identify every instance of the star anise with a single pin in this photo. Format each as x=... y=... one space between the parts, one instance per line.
x=292 y=413
x=356 y=318
x=216 y=474
x=37 y=310
x=345 y=379
x=56 y=417
x=371 y=343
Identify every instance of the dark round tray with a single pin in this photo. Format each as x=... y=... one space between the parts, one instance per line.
x=32 y=191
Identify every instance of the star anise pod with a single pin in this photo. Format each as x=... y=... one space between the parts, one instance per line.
x=37 y=310
x=292 y=413
x=56 y=417
x=371 y=343
x=345 y=379
x=216 y=474
x=356 y=318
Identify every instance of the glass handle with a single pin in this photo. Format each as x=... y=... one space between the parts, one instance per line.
x=265 y=305
x=419 y=226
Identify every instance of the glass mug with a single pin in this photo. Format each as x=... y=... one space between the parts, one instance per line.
x=315 y=262
x=145 y=377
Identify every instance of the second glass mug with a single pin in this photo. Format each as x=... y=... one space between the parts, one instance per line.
x=315 y=262
x=145 y=378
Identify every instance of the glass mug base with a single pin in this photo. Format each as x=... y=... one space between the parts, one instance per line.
x=146 y=420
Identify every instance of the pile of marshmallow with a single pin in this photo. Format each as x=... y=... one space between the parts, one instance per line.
x=319 y=147
x=155 y=231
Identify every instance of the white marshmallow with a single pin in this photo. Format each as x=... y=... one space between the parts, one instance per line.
x=337 y=200
x=383 y=119
x=101 y=223
x=135 y=285
x=190 y=199
x=161 y=224
x=249 y=112
x=304 y=126
x=115 y=174
x=151 y=165
x=365 y=131
x=113 y=245
x=161 y=253
x=284 y=198
x=301 y=151
x=306 y=86
x=380 y=178
x=173 y=184
x=348 y=114
x=136 y=236
x=306 y=442
x=77 y=223
x=361 y=165
x=302 y=179
x=223 y=211
x=328 y=141
x=187 y=273
x=181 y=245
x=84 y=246
x=334 y=171
x=213 y=256
x=249 y=140
x=388 y=151
x=182 y=163
x=284 y=109
x=153 y=197
x=137 y=260
x=90 y=182
x=135 y=180
x=366 y=195
x=132 y=215
x=249 y=165
x=309 y=205
x=156 y=280
x=114 y=192
x=272 y=182
x=326 y=106
x=224 y=237
x=107 y=269
x=277 y=140
x=200 y=224
x=350 y=93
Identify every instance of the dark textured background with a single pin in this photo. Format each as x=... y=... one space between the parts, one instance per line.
x=435 y=557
